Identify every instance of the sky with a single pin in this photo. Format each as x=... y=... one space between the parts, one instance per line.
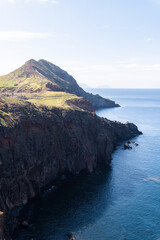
x=101 y=43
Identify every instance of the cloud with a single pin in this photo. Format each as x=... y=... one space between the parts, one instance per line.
x=108 y=67
x=156 y=1
x=106 y=26
x=23 y=35
x=116 y=67
x=42 y=1
x=149 y=39
x=27 y=1
x=10 y=1
x=152 y=67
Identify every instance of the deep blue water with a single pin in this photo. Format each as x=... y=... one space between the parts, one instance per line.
x=118 y=203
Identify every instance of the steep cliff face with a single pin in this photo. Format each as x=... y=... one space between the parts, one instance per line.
x=45 y=143
x=38 y=144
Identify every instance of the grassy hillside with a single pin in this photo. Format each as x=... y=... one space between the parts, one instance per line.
x=24 y=79
x=37 y=76
x=48 y=98
x=42 y=82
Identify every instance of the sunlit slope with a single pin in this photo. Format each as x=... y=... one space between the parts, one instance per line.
x=42 y=77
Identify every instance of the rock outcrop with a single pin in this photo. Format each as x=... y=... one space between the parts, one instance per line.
x=38 y=145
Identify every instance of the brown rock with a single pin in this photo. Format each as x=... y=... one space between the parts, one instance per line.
x=2 y=220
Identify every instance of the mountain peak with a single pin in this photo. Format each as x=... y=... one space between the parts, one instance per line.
x=43 y=76
x=30 y=62
x=43 y=61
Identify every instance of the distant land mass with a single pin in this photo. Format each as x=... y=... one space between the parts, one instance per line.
x=103 y=86
x=49 y=81
x=85 y=86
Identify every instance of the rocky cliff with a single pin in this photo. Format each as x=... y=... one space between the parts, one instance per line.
x=38 y=145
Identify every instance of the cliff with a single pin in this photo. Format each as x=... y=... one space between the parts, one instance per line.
x=48 y=128
x=42 y=77
x=38 y=144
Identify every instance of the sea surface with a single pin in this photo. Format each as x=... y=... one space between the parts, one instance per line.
x=121 y=202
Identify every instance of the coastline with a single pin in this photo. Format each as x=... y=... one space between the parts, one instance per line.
x=76 y=130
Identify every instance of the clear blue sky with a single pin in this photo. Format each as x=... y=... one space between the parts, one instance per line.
x=99 y=42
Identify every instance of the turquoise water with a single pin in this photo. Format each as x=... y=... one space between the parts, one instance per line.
x=121 y=202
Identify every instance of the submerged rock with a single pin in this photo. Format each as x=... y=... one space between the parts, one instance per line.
x=71 y=236
x=127 y=146
x=24 y=224
x=136 y=144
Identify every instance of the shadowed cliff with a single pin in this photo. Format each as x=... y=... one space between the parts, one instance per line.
x=39 y=144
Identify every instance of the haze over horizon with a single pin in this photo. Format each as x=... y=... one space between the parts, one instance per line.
x=99 y=42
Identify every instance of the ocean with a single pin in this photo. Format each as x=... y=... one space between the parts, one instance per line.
x=121 y=202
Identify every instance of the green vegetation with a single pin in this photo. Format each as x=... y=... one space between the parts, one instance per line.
x=48 y=98
x=12 y=107
x=11 y=83
x=32 y=77
x=4 y=116
x=19 y=100
x=43 y=83
x=26 y=79
x=38 y=83
x=7 y=117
